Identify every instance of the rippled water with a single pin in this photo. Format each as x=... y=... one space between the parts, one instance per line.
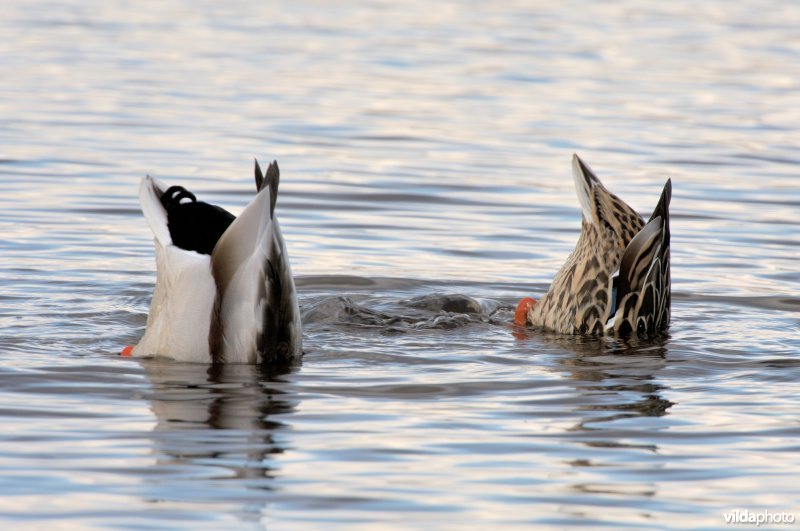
x=425 y=157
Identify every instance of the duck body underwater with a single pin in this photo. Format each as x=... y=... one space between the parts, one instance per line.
x=617 y=280
x=224 y=289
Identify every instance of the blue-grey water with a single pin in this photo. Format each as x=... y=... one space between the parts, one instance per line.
x=425 y=154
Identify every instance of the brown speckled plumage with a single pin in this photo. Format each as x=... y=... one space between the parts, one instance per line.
x=581 y=297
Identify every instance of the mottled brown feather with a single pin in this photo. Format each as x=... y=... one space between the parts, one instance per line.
x=579 y=300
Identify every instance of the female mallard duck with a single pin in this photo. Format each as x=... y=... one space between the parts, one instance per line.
x=224 y=289
x=619 y=269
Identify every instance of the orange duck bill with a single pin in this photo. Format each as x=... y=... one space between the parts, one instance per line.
x=521 y=315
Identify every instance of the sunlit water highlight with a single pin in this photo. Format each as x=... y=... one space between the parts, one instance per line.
x=425 y=166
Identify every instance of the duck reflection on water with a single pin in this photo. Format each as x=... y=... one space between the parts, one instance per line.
x=219 y=417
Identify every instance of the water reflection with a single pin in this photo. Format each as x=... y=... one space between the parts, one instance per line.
x=613 y=379
x=617 y=378
x=412 y=149
x=218 y=422
x=616 y=386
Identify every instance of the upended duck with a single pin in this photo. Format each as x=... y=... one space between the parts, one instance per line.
x=617 y=280
x=224 y=289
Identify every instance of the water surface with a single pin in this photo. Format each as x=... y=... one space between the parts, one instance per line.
x=425 y=154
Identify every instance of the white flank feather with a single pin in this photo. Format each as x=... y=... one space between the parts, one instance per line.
x=183 y=298
x=181 y=308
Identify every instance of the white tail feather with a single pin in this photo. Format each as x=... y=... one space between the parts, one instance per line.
x=150 y=192
x=584 y=189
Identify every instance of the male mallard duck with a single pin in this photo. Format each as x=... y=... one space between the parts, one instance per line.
x=619 y=269
x=224 y=289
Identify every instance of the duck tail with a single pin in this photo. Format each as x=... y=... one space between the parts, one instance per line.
x=150 y=193
x=585 y=183
x=601 y=207
x=644 y=286
x=270 y=180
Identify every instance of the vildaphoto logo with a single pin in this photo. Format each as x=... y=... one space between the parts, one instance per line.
x=757 y=518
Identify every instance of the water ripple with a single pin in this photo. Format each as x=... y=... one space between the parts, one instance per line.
x=425 y=188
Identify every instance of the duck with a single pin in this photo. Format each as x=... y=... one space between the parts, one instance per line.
x=617 y=279
x=224 y=289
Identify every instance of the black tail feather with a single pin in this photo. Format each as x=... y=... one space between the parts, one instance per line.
x=259 y=177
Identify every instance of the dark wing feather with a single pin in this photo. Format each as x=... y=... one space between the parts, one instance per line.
x=281 y=318
x=257 y=314
x=643 y=292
